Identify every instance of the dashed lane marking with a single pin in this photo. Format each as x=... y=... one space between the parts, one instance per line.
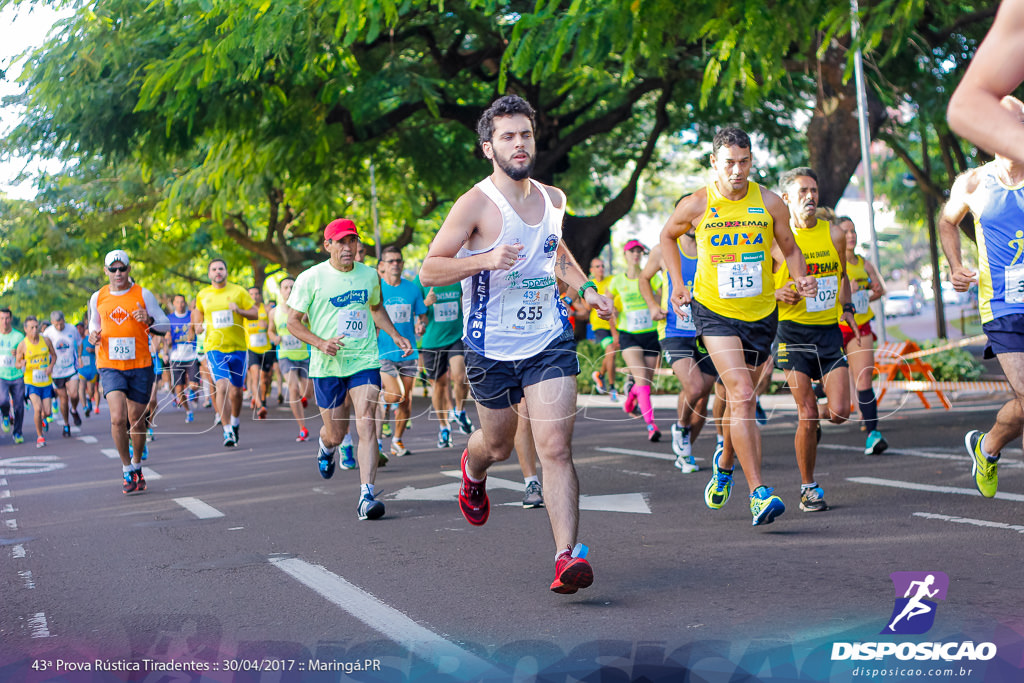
x=975 y=522
x=199 y=508
x=913 y=486
x=643 y=454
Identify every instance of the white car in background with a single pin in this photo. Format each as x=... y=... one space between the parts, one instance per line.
x=900 y=302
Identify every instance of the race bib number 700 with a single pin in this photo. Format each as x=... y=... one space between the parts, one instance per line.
x=352 y=323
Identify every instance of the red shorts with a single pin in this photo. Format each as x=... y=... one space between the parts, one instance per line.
x=865 y=330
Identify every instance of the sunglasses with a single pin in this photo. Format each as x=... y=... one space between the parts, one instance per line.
x=117 y=269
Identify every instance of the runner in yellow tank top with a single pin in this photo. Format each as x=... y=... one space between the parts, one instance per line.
x=260 y=358
x=809 y=343
x=867 y=286
x=35 y=355
x=735 y=222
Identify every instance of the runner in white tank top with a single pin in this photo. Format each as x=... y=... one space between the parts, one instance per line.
x=517 y=313
x=503 y=240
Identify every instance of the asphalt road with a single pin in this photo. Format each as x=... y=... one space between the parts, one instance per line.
x=248 y=564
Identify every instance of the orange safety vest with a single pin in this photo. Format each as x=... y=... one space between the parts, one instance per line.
x=124 y=341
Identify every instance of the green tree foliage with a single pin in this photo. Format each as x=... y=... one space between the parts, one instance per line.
x=250 y=124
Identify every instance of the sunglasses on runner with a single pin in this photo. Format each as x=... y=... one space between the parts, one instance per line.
x=117 y=269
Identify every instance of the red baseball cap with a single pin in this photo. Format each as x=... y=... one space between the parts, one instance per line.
x=340 y=227
x=633 y=244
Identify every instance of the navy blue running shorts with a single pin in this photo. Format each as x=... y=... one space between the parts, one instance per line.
x=498 y=384
x=330 y=392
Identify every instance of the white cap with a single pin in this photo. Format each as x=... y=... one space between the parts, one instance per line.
x=116 y=255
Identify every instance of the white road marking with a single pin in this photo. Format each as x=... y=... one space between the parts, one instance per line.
x=618 y=502
x=913 y=486
x=150 y=474
x=26 y=576
x=643 y=454
x=199 y=508
x=111 y=453
x=30 y=464
x=37 y=625
x=422 y=642
x=623 y=502
x=17 y=551
x=7 y=507
x=5 y=493
x=934 y=454
x=967 y=520
x=436 y=493
x=12 y=524
x=3 y=482
x=492 y=482
x=87 y=439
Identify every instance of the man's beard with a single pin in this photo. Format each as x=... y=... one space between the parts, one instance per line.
x=513 y=172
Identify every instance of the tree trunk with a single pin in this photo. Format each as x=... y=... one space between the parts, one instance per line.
x=833 y=134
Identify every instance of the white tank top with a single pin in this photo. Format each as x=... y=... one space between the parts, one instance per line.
x=514 y=314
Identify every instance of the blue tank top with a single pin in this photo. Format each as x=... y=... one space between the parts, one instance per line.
x=674 y=325
x=1000 y=248
x=88 y=355
x=181 y=349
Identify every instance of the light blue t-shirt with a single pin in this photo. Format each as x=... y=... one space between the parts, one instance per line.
x=403 y=304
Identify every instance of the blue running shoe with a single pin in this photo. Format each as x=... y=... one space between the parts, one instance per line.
x=369 y=508
x=876 y=443
x=759 y=414
x=444 y=437
x=765 y=506
x=6 y=425
x=325 y=462
x=348 y=460
x=465 y=424
x=190 y=417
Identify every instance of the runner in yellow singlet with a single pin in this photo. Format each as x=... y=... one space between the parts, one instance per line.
x=36 y=356
x=809 y=344
x=259 y=356
x=866 y=285
x=605 y=334
x=734 y=223
x=638 y=334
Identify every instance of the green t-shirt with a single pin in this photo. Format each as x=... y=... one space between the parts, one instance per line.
x=8 y=345
x=444 y=317
x=633 y=314
x=290 y=348
x=338 y=303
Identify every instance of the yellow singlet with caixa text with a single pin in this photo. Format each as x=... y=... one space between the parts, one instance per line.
x=734 y=268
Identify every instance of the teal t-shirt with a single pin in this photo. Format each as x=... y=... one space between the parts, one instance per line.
x=8 y=345
x=444 y=316
x=338 y=303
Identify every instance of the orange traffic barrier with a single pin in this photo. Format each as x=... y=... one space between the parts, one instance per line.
x=893 y=359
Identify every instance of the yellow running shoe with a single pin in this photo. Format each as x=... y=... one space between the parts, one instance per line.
x=985 y=471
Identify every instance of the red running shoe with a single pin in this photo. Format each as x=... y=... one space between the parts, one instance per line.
x=262 y=414
x=571 y=574
x=305 y=402
x=130 y=483
x=303 y=434
x=140 y=482
x=473 y=497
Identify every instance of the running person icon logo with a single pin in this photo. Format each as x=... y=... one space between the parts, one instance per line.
x=916 y=592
